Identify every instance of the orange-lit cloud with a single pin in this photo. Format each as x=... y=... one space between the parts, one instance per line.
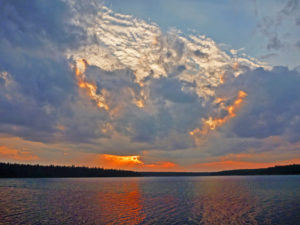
x=91 y=89
x=213 y=123
x=235 y=66
x=102 y=97
x=116 y=161
x=222 y=79
x=133 y=163
x=14 y=154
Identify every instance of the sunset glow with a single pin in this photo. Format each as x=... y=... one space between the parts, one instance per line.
x=149 y=112
x=133 y=163
x=115 y=161
x=150 y=85
x=14 y=154
x=234 y=165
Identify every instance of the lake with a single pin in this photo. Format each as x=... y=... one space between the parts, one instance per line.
x=151 y=200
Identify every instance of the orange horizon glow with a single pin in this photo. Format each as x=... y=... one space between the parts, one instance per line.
x=236 y=164
x=14 y=154
x=228 y=162
x=18 y=153
x=133 y=162
x=116 y=160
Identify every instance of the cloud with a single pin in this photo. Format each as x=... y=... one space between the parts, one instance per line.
x=290 y=7
x=133 y=163
x=39 y=83
x=274 y=43
x=171 y=78
x=111 y=84
x=125 y=42
x=298 y=21
x=33 y=31
x=171 y=89
x=272 y=105
x=273 y=25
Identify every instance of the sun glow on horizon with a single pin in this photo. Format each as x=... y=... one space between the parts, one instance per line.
x=115 y=86
x=134 y=162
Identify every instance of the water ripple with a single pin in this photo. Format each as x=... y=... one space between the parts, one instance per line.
x=161 y=200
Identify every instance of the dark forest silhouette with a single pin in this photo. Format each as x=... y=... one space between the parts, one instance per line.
x=276 y=170
x=8 y=170
x=22 y=170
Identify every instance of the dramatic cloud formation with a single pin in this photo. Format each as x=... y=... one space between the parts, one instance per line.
x=82 y=79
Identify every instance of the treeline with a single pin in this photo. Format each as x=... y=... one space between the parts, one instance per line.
x=276 y=170
x=8 y=170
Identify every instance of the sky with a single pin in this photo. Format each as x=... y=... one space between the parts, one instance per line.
x=150 y=85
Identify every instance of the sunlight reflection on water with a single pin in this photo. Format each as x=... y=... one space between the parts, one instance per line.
x=151 y=200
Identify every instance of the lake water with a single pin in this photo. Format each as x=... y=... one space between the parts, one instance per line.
x=151 y=200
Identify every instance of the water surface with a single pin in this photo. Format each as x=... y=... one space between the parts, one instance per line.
x=151 y=200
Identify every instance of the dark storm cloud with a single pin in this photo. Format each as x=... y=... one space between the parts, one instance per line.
x=31 y=24
x=39 y=84
x=272 y=106
x=41 y=101
x=175 y=110
x=112 y=81
x=171 y=89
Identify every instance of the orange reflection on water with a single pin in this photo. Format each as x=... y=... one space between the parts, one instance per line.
x=122 y=204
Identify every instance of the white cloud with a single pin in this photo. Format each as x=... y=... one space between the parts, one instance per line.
x=157 y=86
x=117 y=41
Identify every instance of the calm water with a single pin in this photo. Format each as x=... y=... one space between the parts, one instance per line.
x=151 y=200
